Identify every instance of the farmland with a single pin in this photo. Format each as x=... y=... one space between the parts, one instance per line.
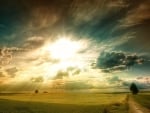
x=63 y=103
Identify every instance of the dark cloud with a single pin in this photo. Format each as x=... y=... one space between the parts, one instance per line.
x=138 y=14
x=99 y=20
x=117 y=61
x=27 y=18
x=37 y=79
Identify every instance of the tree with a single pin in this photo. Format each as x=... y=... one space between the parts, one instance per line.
x=36 y=91
x=134 y=89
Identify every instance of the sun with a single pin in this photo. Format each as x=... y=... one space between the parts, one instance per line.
x=64 y=49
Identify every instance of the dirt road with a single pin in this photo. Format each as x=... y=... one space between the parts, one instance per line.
x=134 y=107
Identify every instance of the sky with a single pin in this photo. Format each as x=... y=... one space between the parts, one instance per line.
x=74 y=45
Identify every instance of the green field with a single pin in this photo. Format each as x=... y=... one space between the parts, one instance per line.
x=63 y=103
x=143 y=99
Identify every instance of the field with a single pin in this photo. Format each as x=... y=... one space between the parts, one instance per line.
x=143 y=99
x=63 y=103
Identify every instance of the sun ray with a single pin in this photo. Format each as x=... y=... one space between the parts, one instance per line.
x=64 y=49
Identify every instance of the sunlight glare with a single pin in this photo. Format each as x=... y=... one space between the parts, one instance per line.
x=64 y=49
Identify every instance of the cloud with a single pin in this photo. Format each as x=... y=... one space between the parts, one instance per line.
x=137 y=15
x=117 y=61
x=114 y=81
x=77 y=85
x=19 y=87
x=37 y=79
x=142 y=85
x=126 y=83
x=12 y=71
x=115 y=69
x=118 y=25
x=2 y=74
x=6 y=54
x=71 y=85
x=73 y=70
x=145 y=79
x=117 y=4
x=76 y=72
x=40 y=58
x=82 y=12
x=68 y=72
x=143 y=82
x=34 y=42
x=61 y=74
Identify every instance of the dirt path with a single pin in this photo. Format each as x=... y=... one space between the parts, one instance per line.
x=135 y=107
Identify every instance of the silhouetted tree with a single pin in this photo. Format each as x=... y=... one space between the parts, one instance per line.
x=134 y=89
x=36 y=91
x=105 y=110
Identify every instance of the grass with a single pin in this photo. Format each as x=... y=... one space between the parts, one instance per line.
x=143 y=99
x=63 y=103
